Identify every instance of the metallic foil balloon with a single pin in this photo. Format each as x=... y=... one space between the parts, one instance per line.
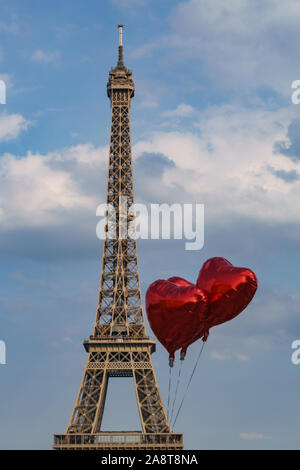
x=176 y=312
x=229 y=289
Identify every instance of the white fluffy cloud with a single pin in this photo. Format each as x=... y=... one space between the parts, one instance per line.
x=241 y=42
x=182 y=110
x=37 y=189
x=11 y=125
x=225 y=163
x=45 y=57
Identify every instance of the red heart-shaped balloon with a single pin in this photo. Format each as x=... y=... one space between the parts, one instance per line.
x=176 y=311
x=229 y=289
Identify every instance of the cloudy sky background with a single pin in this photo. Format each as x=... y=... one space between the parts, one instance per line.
x=212 y=123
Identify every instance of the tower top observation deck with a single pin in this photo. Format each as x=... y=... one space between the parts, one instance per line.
x=120 y=77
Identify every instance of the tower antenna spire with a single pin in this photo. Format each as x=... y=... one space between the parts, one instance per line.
x=121 y=58
x=121 y=26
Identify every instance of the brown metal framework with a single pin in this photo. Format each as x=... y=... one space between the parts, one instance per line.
x=119 y=346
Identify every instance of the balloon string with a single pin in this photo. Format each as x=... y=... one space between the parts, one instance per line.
x=177 y=385
x=199 y=355
x=169 y=394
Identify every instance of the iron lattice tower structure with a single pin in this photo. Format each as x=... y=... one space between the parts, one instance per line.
x=119 y=346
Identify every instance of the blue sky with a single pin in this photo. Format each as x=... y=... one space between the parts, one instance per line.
x=212 y=123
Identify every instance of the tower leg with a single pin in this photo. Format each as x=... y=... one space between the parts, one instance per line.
x=151 y=408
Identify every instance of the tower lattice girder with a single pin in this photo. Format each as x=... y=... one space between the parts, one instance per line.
x=119 y=346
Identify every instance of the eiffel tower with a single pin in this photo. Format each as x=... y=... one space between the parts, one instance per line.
x=119 y=346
